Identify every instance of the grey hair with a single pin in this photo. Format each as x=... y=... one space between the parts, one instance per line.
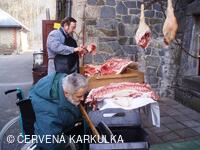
x=74 y=82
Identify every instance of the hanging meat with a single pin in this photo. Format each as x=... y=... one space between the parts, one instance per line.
x=170 y=26
x=91 y=48
x=143 y=34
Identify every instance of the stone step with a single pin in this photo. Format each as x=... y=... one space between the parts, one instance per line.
x=192 y=83
x=189 y=98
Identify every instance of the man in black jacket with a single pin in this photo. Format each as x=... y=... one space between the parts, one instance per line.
x=63 y=52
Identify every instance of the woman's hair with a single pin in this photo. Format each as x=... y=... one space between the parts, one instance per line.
x=74 y=82
x=67 y=20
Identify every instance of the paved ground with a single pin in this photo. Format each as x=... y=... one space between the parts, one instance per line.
x=183 y=145
x=178 y=123
x=16 y=71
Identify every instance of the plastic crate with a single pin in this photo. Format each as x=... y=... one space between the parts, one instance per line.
x=116 y=117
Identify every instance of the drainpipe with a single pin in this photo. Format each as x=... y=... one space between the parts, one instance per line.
x=68 y=11
x=47 y=14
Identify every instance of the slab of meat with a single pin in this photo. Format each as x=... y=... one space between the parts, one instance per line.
x=115 y=66
x=111 y=66
x=90 y=70
x=170 y=26
x=124 y=89
x=91 y=48
x=143 y=33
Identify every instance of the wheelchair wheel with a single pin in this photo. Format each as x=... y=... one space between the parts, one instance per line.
x=9 y=135
x=9 y=138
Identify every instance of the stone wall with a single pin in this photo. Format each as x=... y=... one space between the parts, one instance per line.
x=191 y=39
x=188 y=90
x=112 y=24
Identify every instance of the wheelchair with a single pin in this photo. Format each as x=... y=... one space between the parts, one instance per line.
x=21 y=125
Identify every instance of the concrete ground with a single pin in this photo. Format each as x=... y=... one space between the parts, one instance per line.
x=178 y=124
x=182 y=145
x=15 y=71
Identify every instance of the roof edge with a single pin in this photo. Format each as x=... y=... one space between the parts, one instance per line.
x=21 y=24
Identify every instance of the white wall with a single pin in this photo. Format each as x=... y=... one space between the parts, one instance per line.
x=24 y=40
x=7 y=40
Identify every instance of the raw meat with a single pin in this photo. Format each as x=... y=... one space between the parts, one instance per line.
x=115 y=66
x=143 y=33
x=111 y=66
x=91 y=48
x=170 y=26
x=124 y=89
x=91 y=70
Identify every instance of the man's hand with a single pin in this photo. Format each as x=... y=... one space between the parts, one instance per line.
x=78 y=49
x=82 y=46
x=81 y=50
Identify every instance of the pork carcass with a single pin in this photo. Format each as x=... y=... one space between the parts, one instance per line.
x=170 y=26
x=111 y=66
x=124 y=89
x=116 y=66
x=143 y=33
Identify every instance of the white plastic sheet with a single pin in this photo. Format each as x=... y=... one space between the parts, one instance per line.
x=128 y=103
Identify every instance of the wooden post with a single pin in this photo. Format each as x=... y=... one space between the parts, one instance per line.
x=83 y=36
x=89 y=122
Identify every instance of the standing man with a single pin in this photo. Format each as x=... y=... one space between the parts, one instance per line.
x=63 y=52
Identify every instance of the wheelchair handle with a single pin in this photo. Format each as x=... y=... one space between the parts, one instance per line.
x=10 y=91
x=19 y=94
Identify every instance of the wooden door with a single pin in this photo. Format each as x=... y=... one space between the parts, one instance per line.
x=47 y=27
x=39 y=72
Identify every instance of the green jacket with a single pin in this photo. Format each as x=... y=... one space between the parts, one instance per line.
x=54 y=113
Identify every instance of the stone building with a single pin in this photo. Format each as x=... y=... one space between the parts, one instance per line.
x=13 y=34
x=112 y=24
x=187 y=90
